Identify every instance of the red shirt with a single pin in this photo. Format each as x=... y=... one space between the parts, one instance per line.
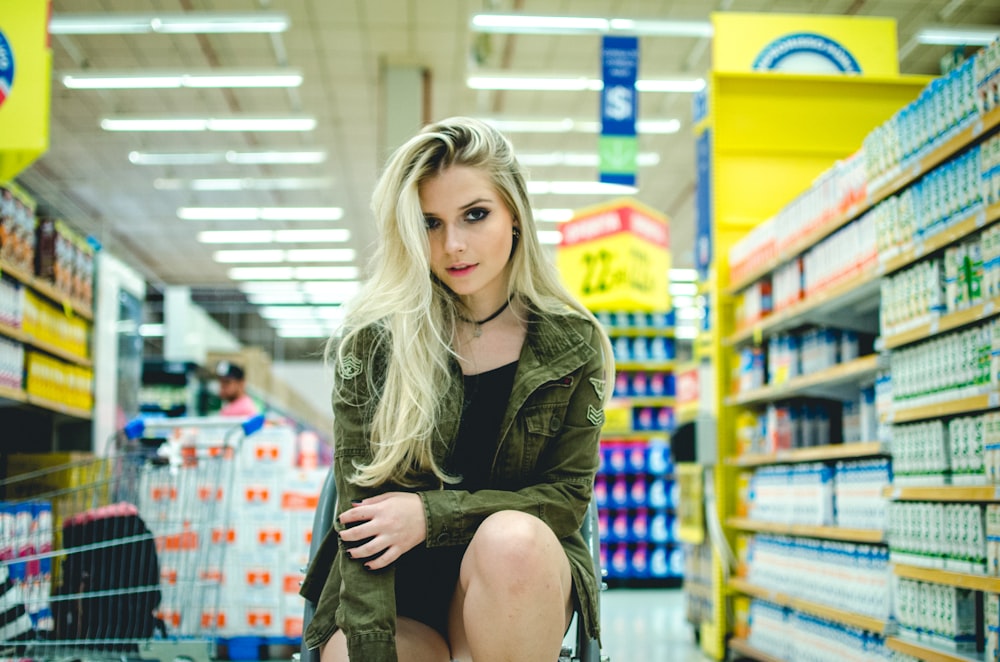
x=243 y=406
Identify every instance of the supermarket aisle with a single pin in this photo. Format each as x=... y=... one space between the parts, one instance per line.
x=647 y=624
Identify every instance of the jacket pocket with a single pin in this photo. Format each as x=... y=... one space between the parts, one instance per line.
x=542 y=424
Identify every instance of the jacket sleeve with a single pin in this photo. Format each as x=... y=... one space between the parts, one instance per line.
x=564 y=482
x=367 y=606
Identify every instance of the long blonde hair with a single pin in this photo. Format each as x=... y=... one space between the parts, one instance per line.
x=413 y=316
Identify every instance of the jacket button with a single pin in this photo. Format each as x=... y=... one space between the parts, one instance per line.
x=554 y=424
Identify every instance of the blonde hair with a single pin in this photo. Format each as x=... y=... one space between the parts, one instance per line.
x=413 y=316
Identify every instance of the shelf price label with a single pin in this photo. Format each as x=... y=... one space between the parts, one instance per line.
x=617 y=257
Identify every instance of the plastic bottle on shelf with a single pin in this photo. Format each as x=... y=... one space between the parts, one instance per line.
x=656 y=495
x=619 y=492
x=637 y=458
x=603 y=525
x=616 y=457
x=639 y=562
x=659 y=562
x=639 y=525
x=601 y=490
x=620 y=529
x=639 y=385
x=659 y=527
x=638 y=493
x=658 y=462
x=619 y=566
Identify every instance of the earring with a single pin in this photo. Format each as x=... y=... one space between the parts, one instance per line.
x=517 y=233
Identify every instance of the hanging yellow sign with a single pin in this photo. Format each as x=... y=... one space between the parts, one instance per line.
x=25 y=85
x=617 y=257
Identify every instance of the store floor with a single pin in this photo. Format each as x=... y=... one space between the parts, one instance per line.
x=640 y=625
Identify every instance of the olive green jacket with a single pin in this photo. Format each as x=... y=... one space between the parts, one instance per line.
x=545 y=466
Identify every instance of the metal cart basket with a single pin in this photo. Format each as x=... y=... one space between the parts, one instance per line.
x=117 y=556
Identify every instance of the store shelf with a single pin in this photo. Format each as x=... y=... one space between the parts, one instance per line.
x=743 y=647
x=58 y=407
x=632 y=401
x=27 y=339
x=46 y=289
x=8 y=393
x=812 y=454
x=974 y=221
x=944 y=493
x=836 y=615
x=13 y=333
x=948 y=577
x=962 y=405
x=872 y=536
x=941 y=323
x=817 y=383
x=639 y=332
x=928 y=653
x=649 y=366
x=821 y=306
x=686 y=413
x=698 y=589
x=905 y=177
x=642 y=435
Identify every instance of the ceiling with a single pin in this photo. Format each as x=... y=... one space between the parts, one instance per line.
x=341 y=47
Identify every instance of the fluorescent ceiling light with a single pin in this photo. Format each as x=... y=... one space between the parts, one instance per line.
x=337 y=235
x=579 y=188
x=293 y=273
x=243 y=184
x=301 y=312
x=683 y=275
x=307 y=286
x=290 y=123
x=568 y=125
x=151 y=330
x=685 y=332
x=549 y=237
x=236 y=158
x=119 y=80
x=303 y=332
x=168 y=23
x=579 y=83
x=552 y=215
x=260 y=213
x=957 y=35
x=276 y=298
x=577 y=159
x=529 y=24
x=279 y=256
x=683 y=289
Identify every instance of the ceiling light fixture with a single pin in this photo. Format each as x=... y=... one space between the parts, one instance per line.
x=579 y=188
x=530 y=24
x=260 y=213
x=243 y=184
x=549 y=237
x=120 y=80
x=293 y=273
x=309 y=286
x=957 y=35
x=568 y=125
x=338 y=235
x=552 y=215
x=290 y=123
x=169 y=23
x=577 y=159
x=579 y=83
x=236 y=158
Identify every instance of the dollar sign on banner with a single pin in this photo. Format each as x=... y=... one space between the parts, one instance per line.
x=617 y=145
x=618 y=102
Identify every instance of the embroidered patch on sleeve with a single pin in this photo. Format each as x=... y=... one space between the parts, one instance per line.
x=350 y=367
x=598 y=385
x=595 y=415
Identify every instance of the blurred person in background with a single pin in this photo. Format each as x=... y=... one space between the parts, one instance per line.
x=233 y=391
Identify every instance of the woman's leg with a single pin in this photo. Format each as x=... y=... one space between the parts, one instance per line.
x=415 y=642
x=514 y=596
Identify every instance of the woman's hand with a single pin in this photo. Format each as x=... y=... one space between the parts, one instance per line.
x=387 y=525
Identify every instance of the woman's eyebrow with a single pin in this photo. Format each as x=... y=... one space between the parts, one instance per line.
x=475 y=202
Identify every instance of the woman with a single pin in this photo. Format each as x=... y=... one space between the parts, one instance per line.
x=468 y=400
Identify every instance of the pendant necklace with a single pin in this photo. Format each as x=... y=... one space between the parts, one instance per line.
x=477 y=329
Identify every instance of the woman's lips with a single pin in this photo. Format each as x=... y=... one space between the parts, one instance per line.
x=461 y=270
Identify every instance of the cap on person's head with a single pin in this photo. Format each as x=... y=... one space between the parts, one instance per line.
x=227 y=370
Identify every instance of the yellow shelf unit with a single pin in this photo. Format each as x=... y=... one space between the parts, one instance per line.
x=965 y=404
x=853 y=619
x=71 y=306
x=651 y=366
x=812 y=454
x=949 y=493
x=928 y=653
x=764 y=150
x=871 y=536
x=854 y=371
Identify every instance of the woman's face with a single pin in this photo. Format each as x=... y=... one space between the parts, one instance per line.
x=470 y=231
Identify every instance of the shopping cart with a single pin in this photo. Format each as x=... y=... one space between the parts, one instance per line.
x=118 y=556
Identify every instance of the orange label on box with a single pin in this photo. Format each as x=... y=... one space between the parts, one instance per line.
x=299 y=501
x=164 y=493
x=259 y=577
x=176 y=542
x=168 y=576
x=259 y=618
x=293 y=626
x=223 y=535
x=267 y=452
x=269 y=536
x=257 y=494
x=293 y=582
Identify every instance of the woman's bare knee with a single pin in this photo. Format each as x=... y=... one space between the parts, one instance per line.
x=415 y=642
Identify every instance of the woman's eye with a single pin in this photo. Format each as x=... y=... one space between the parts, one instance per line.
x=477 y=214
x=431 y=222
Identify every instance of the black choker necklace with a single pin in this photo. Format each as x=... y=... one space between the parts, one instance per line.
x=477 y=328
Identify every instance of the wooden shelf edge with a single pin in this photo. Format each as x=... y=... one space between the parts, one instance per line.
x=987 y=400
x=15 y=394
x=928 y=653
x=943 y=493
x=829 y=613
x=947 y=322
x=825 y=297
x=13 y=333
x=859 y=368
x=948 y=577
x=652 y=366
x=871 y=536
x=743 y=647
x=812 y=454
x=46 y=290
x=59 y=352
x=53 y=405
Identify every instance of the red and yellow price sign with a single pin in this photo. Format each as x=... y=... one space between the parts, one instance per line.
x=617 y=257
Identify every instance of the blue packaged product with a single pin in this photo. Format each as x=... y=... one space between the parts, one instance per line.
x=637 y=458
x=659 y=562
x=600 y=490
x=677 y=562
x=659 y=527
x=639 y=563
x=619 y=492
x=657 y=384
x=622 y=384
x=617 y=459
x=619 y=565
x=637 y=492
x=603 y=525
x=658 y=460
x=639 y=385
x=639 y=525
x=657 y=495
x=620 y=529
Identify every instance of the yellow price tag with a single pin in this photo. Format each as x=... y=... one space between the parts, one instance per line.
x=67 y=308
x=758 y=334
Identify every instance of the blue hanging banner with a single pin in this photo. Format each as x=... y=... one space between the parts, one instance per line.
x=618 y=145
